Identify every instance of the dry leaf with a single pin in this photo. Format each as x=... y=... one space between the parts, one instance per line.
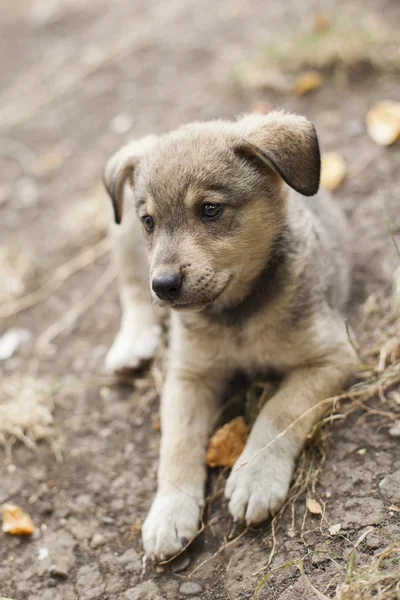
x=383 y=122
x=227 y=443
x=394 y=507
x=16 y=521
x=313 y=506
x=333 y=170
x=156 y=423
x=306 y=82
x=334 y=529
x=322 y=20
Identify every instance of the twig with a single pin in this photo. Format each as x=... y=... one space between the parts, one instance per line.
x=309 y=584
x=350 y=338
x=81 y=307
x=220 y=549
x=61 y=274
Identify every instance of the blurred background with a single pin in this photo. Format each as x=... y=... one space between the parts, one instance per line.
x=78 y=78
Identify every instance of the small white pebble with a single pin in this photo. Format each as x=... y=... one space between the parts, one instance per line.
x=97 y=540
x=121 y=123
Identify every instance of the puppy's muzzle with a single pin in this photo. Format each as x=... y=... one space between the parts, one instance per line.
x=167 y=286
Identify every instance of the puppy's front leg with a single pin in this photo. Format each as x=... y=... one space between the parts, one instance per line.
x=189 y=404
x=258 y=488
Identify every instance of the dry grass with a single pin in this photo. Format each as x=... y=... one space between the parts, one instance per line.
x=17 y=273
x=350 y=39
x=26 y=409
x=378 y=375
x=379 y=580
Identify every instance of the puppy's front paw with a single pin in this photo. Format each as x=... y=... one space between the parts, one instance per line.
x=133 y=346
x=258 y=489
x=172 y=521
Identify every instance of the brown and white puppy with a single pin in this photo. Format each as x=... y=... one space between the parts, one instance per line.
x=257 y=277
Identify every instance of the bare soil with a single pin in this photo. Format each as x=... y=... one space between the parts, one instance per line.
x=68 y=68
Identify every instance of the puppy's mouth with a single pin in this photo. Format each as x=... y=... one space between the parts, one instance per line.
x=193 y=305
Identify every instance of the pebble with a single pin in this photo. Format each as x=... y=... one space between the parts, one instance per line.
x=190 y=587
x=107 y=520
x=56 y=572
x=181 y=563
x=97 y=541
x=395 y=430
x=121 y=123
x=390 y=486
x=52 y=582
x=12 y=339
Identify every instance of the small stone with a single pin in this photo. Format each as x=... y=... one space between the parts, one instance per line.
x=57 y=572
x=374 y=540
x=160 y=569
x=390 y=487
x=52 y=582
x=395 y=430
x=190 y=587
x=97 y=541
x=121 y=123
x=107 y=520
x=181 y=563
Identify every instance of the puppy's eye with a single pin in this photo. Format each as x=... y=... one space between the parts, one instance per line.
x=211 y=211
x=148 y=223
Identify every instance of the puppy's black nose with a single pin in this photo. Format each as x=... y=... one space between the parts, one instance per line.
x=167 y=286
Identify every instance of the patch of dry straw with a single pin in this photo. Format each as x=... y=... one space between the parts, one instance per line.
x=379 y=580
x=26 y=412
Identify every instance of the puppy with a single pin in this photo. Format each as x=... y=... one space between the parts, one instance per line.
x=256 y=277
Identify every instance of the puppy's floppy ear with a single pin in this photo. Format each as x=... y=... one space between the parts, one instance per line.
x=288 y=144
x=120 y=167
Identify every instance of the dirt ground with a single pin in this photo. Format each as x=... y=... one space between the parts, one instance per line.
x=77 y=79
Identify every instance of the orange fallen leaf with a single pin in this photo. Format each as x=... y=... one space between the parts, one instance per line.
x=227 y=443
x=156 y=424
x=333 y=170
x=307 y=82
x=16 y=521
x=322 y=20
x=383 y=122
x=313 y=506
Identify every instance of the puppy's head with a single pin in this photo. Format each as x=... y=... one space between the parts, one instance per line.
x=211 y=198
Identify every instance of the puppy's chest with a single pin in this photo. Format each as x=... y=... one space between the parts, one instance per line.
x=254 y=347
